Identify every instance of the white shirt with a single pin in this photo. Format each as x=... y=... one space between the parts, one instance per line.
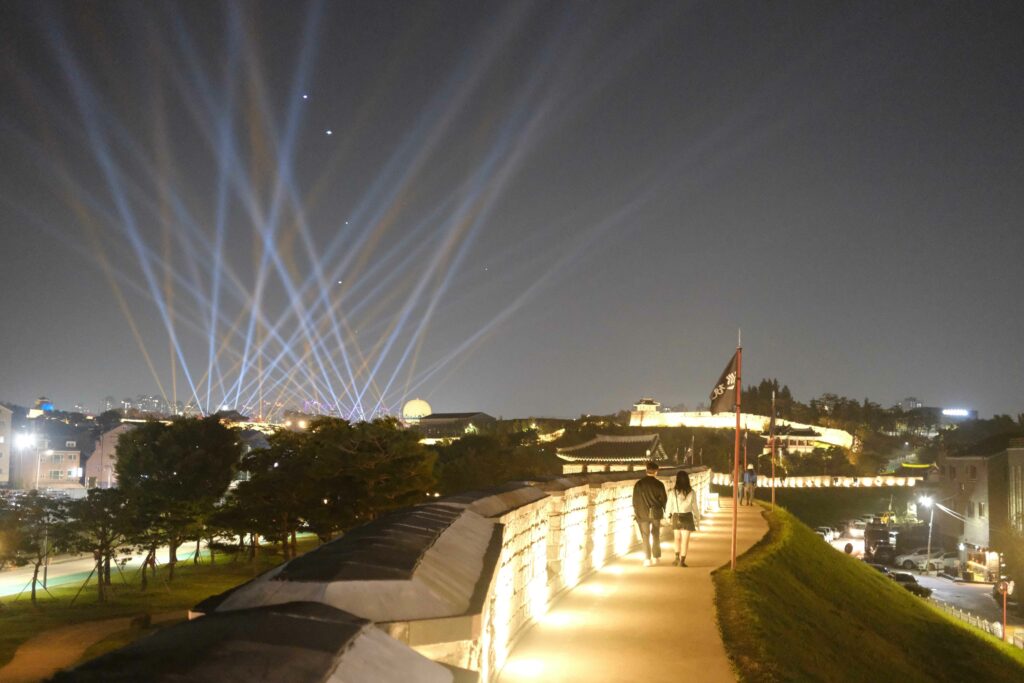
x=683 y=503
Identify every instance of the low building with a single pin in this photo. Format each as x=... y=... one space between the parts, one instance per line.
x=50 y=455
x=438 y=426
x=100 y=468
x=984 y=492
x=801 y=440
x=606 y=453
x=6 y=439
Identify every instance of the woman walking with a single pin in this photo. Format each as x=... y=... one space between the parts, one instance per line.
x=685 y=515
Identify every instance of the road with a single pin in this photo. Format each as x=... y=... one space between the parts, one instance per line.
x=975 y=598
x=70 y=569
x=971 y=597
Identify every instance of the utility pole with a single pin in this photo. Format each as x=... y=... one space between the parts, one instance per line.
x=736 y=452
x=771 y=442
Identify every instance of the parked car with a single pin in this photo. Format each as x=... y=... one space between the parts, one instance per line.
x=825 y=532
x=915 y=559
x=883 y=553
x=880 y=567
x=856 y=528
x=948 y=562
x=910 y=583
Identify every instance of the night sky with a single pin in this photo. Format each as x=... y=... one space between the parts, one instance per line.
x=546 y=208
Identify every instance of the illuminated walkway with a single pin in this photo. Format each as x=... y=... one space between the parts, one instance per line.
x=631 y=623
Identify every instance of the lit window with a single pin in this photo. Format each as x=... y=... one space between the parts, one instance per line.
x=981 y=509
x=70 y=444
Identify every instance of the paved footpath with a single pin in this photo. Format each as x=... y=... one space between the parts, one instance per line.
x=628 y=622
x=47 y=653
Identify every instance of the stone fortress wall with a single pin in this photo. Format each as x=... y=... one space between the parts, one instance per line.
x=455 y=581
x=548 y=546
x=754 y=423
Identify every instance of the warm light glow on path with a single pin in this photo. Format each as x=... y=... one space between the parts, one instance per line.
x=626 y=622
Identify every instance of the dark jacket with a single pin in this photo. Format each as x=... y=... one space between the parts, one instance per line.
x=649 y=498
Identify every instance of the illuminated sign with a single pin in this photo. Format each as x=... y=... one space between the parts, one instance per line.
x=955 y=412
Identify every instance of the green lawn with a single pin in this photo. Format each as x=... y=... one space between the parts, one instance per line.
x=20 y=620
x=796 y=610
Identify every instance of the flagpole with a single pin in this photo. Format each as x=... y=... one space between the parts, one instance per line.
x=736 y=451
x=771 y=440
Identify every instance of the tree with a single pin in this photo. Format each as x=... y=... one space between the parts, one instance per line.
x=480 y=462
x=280 y=488
x=175 y=474
x=390 y=466
x=108 y=419
x=331 y=477
x=100 y=524
x=33 y=532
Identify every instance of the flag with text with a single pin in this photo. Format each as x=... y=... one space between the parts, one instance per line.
x=723 y=396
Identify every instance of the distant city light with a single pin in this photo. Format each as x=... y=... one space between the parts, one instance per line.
x=330 y=132
x=956 y=412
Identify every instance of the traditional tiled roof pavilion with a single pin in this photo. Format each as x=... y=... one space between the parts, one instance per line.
x=605 y=453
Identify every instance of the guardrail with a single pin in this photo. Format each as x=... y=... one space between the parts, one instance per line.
x=821 y=482
x=993 y=628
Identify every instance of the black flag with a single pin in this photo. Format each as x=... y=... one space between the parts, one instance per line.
x=723 y=396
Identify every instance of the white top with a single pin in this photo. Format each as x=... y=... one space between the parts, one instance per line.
x=683 y=503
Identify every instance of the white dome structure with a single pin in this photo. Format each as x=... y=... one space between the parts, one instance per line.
x=415 y=409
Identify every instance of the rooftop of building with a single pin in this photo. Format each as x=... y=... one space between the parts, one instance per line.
x=454 y=416
x=607 y=448
x=790 y=430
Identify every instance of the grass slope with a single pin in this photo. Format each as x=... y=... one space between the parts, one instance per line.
x=796 y=610
x=19 y=620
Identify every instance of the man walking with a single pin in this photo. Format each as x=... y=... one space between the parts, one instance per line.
x=649 y=499
x=749 y=484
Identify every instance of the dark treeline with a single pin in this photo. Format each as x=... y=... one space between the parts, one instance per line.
x=174 y=487
x=189 y=482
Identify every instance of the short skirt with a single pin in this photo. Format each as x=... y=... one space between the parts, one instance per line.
x=683 y=520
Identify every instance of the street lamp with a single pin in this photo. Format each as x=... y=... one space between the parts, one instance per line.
x=930 y=504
